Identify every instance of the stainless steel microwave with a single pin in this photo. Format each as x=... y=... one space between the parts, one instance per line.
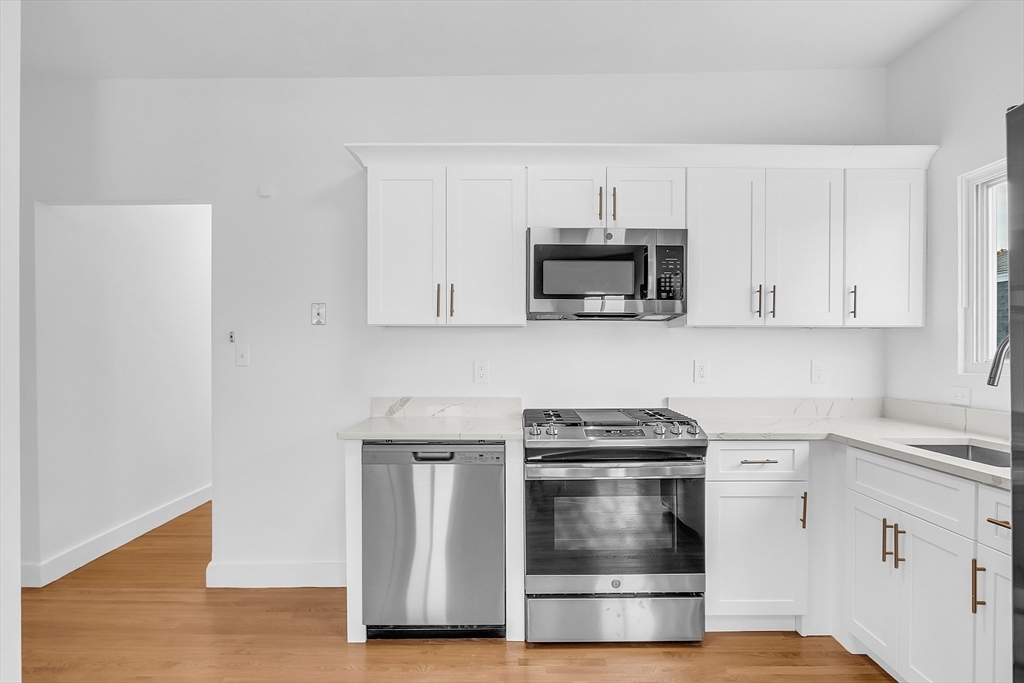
x=606 y=273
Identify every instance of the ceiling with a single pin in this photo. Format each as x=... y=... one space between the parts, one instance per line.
x=349 y=38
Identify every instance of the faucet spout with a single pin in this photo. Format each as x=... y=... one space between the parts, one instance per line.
x=998 y=360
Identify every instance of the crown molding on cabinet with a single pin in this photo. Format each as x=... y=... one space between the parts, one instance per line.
x=644 y=155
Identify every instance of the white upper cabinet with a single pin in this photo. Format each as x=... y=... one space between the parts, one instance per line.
x=725 y=220
x=566 y=197
x=646 y=198
x=599 y=197
x=766 y=247
x=486 y=254
x=885 y=247
x=446 y=246
x=405 y=245
x=803 y=266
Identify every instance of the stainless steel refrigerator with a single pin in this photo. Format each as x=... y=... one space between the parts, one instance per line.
x=1015 y=175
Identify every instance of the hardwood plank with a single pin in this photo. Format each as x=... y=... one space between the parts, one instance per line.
x=143 y=613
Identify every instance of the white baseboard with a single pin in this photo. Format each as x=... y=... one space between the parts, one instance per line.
x=38 y=575
x=753 y=623
x=275 y=575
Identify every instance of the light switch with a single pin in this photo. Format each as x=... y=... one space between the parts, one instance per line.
x=242 y=355
x=319 y=314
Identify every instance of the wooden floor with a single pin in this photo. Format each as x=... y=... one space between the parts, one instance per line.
x=142 y=613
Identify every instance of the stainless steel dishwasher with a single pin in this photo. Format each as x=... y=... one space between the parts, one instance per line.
x=434 y=539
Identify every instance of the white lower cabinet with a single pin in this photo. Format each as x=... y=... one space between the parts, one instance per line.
x=756 y=548
x=993 y=622
x=756 y=528
x=872 y=585
x=927 y=602
x=936 y=627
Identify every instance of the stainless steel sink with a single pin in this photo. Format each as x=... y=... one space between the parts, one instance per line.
x=987 y=456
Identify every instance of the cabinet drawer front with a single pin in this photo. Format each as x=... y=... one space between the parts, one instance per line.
x=757 y=461
x=940 y=498
x=994 y=504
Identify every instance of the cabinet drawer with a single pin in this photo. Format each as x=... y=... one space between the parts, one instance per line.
x=757 y=461
x=994 y=504
x=942 y=499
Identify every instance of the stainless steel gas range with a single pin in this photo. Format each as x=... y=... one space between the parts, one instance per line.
x=614 y=525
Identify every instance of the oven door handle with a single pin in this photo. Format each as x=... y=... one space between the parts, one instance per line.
x=617 y=471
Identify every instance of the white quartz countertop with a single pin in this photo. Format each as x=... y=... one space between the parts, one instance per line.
x=880 y=435
x=436 y=428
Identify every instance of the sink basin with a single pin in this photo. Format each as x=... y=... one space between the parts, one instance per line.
x=986 y=456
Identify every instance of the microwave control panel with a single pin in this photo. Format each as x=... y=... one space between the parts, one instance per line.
x=670 y=272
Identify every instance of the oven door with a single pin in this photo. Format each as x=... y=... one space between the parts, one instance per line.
x=614 y=528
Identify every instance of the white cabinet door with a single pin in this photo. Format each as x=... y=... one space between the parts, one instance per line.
x=486 y=246
x=993 y=624
x=873 y=591
x=936 y=629
x=885 y=247
x=804 y=247
x=756 y=548
x=646 y=198
x=405 y=245
x=566 y=197
x=725 y=220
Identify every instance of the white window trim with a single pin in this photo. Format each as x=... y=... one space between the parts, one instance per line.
x=977 y=269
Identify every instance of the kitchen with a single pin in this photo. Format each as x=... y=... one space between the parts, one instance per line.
x=276 y=461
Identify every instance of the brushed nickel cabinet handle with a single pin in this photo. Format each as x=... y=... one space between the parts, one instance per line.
x=896 y=559
x=759 y=462
x=803 y=520
x=451 y=303
x=760 y=298
x=999 y=522
x=600 y=203
x=854 y=292
x=885 y=528
x=974 y=586
x=615 y=205
x=773 y=301
x=438 y=299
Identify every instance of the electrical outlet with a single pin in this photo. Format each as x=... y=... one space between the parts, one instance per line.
x=960 y=396
x=318 y=315
x=242 y=355
x=817 y=372
x=481 y=372
x=700 y=372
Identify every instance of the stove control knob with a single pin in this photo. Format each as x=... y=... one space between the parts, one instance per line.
x=676 y=428
x=552 y=429
x=535 y=430
x=692 y=429
x=659 y=429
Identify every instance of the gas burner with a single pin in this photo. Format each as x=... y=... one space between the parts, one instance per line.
x=564 y=417
x=656 y=415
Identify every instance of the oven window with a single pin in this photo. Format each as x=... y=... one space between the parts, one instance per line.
x=611 y=523
x=588 y=278
x=615 y=526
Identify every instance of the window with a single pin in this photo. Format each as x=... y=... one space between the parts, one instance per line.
x=984 y=272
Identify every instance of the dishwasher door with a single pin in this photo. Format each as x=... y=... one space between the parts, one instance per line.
x=433 y=538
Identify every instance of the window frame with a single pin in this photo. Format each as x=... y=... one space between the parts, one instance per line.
x=977 y=267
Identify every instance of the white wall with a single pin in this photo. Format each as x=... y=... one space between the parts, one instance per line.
x=277 y=470
x=952 y=89
x=10 y=411
x=123 y=381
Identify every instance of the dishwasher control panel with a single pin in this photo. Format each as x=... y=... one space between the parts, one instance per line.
x=479 y=458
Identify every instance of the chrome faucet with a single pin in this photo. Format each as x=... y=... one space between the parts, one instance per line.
x=998 y=360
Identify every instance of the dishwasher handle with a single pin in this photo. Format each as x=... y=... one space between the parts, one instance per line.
x=433 y=456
